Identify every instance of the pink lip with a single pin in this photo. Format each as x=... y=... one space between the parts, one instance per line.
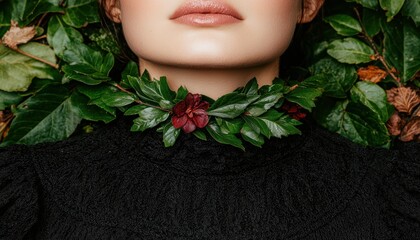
x=206 y=13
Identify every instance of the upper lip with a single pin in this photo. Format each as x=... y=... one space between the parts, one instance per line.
x=205 y=7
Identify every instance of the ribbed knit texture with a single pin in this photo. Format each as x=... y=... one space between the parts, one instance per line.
x=114 y=184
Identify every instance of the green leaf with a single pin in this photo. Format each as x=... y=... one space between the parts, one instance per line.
x=104 y=39
x=88 y=111
x=251 y=88
x=305 y=97
x=25 y=11
x=345 y=25
x=231 y=105
x=118 y=99
x=60 y=35
x=95 y=94
x=372 y=4
x=149 y=117
x=265 y=102
x=132 y=69
x=17 y=70
x=258 y=126
x=371 y=20
x=200 y=135
x=335 y=78
x=402 y=47
x=392 y=7
x=351 y=51
x=87 y=65
x=373 y=97
x=8 y=99
x=79 y=13
x=153 y=92
x=411 y=9
x=353 y=121
x=46 y=117
x=232 y=126
x=249 y=135
x=282 y=127
x=230 y=139
x=170 y=135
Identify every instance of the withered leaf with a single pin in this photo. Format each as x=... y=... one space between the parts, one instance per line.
x=395 y=124
x=404 y=99
x=16 y=35
x=5 y=120
x=411 y=131
x=372 y=74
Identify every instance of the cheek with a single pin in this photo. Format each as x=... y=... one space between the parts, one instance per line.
x=274 y=23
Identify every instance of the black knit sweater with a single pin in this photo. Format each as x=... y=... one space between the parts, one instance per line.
x=114 y=184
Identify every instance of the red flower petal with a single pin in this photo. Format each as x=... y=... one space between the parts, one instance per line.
x=180 y=108
x=189 y=126
x=204 y=105
x=201 y=120
x=189 y=100
x=179 y=122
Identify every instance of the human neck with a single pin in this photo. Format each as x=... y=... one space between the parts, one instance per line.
x=211 y=82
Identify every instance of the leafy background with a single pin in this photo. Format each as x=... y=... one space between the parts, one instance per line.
x=59 y=67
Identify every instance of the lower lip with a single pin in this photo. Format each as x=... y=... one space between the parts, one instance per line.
x=200 y=19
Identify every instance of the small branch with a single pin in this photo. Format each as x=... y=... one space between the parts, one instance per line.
x=40 y=37
x=37 y=58
x=41 y=19
x=378 y=56
x=138 y=101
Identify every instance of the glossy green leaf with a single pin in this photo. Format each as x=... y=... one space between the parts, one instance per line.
x=402 y=45
x=149 y=117
x=17 y=70
x=231 y=105
x=170 y=135
x=46 y=117
x=351 y=51
x=392 y=7
x=79 y=13
x=345 y=25
x=412 y=9
x=372 y=4
x=118 y=99
x=7 y=99
x=25 y=11
x=353 y=121
x=373 y=97
x=60 y=35
x=335 y=78
x=90 y=111
x=96 y=93
x=304 y=97
x=249 y=135
x=230 y=139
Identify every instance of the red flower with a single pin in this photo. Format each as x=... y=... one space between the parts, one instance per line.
x=295 y=111
x=190 y=113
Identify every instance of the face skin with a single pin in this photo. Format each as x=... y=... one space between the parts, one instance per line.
x=212 y=60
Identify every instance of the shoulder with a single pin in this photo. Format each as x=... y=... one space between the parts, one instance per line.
x=398 y=176
x=18 y=192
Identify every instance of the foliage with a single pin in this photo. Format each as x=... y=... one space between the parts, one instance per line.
x=362 y=52
x=58 y=69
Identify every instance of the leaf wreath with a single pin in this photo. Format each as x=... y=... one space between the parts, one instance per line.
x=250 y=113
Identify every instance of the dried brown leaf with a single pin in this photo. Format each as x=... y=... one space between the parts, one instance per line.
x=411 y=131
x=372 y=74
x=404 y=99
x=16 y=35
x=5 y=120
x=395 y=124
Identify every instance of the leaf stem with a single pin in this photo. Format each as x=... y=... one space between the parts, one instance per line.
x=378 y=55
x=36 y=58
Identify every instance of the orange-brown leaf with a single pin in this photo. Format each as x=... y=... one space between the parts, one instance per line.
x=411 y=131
x=16 y=35
x=404 y=99
x=395 y=124
x=372 y=74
